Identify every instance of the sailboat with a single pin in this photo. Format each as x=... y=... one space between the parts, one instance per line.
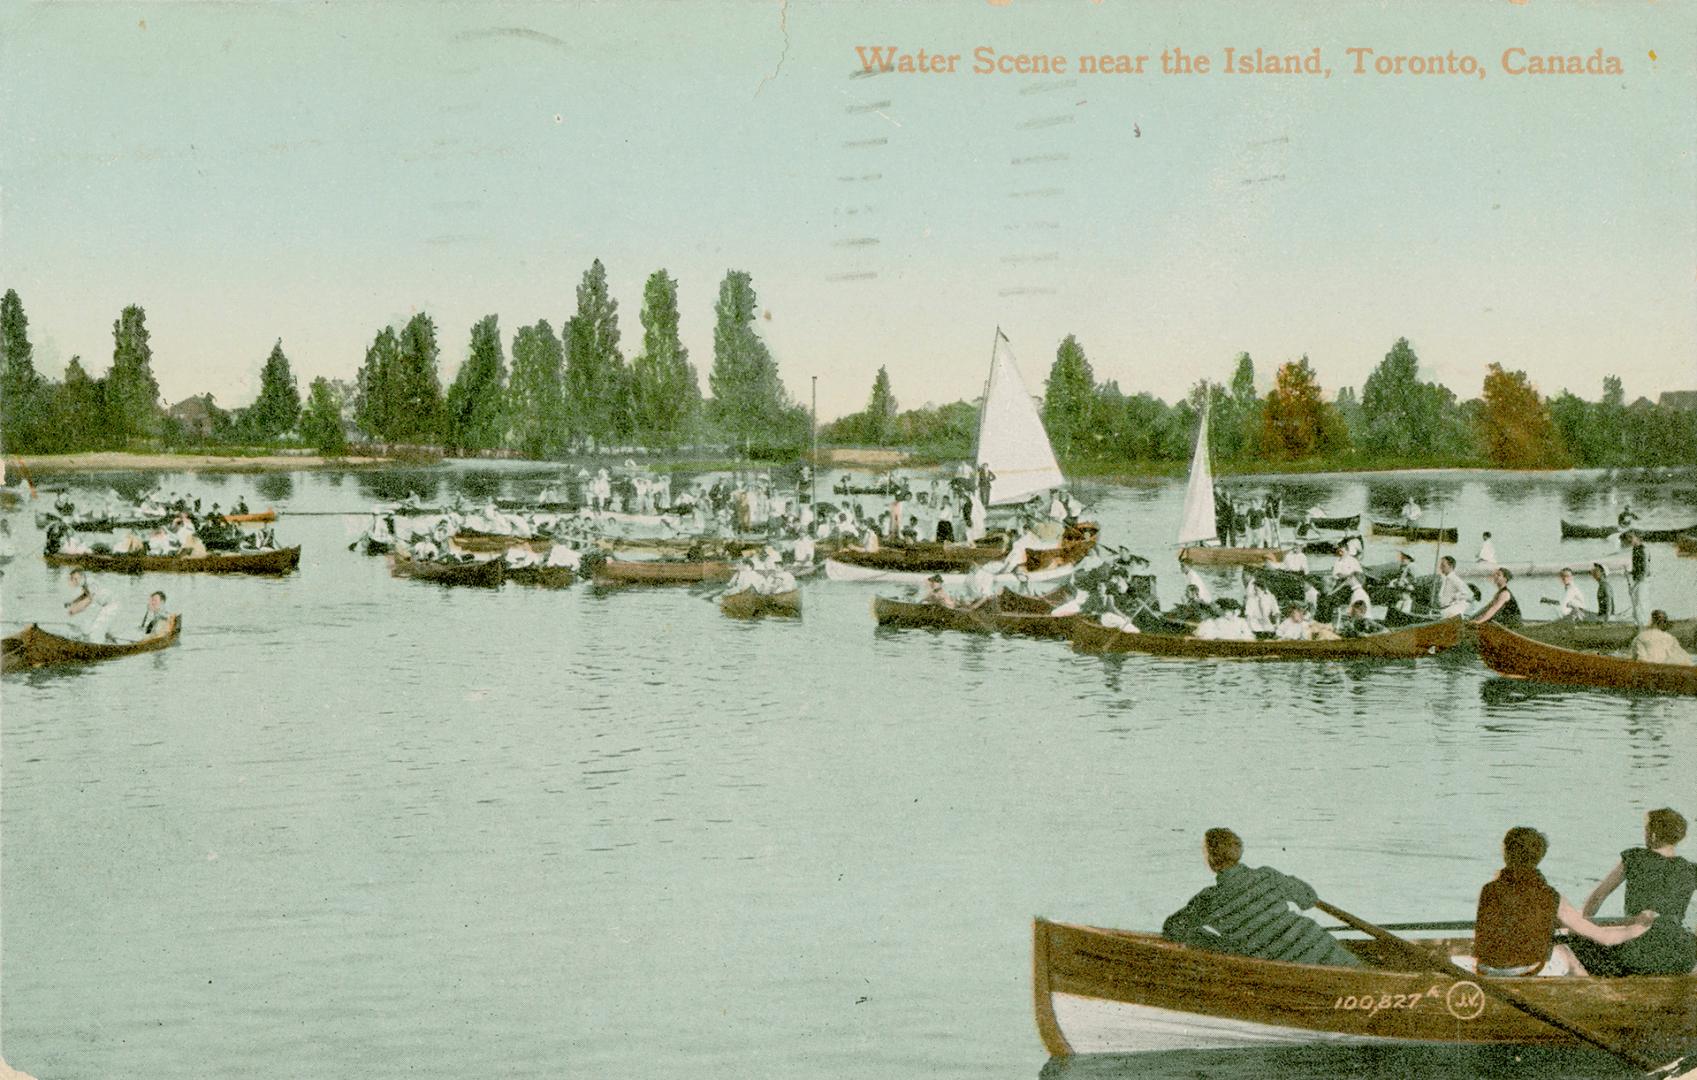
x=1015 y=449
x=1198 y=526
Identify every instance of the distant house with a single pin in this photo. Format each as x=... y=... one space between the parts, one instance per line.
x=1678 y=399
x=195 y=416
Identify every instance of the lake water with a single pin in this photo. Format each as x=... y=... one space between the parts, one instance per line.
x=355 y=826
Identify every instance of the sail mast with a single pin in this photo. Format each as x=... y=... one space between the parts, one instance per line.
x=1012 y=442
x=1198 y=523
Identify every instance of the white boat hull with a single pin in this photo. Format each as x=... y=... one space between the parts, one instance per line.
x=1615 y=564
x=1094 y=1026
x=841 y=571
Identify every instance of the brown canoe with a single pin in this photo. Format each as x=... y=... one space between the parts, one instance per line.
x=281 y=561
x=1117 y=991
x=485 y=573
x=749 y=604
x=1423 y=639
x=267 y=514
x=486 y=542
x=1229 y=556
x=981 y=620
x=680 y=545
x=34 y=647
x=1508 y=653
x=658 y=572
x=1448 y=535
x=926 y=558
x=543 y=577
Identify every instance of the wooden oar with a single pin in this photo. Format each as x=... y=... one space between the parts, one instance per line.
x=1494 y=988
x=1459 y=924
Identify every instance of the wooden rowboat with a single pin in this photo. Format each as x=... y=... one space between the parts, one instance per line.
x=987 y=619
x=1423 y=639
x=1571 y=634
x=1573 y=531
x=487 y=542
x=34 y=647
x=280 y=561
x=1331 y=524
x=659 y=572
x=486 y=573
x=1416 y=532
x=543 y=577
x=1118 y=991
x=1518 y=657
x=1230 y=556
x=681 y=545
x=267 y=514
x=749 y=604
x=926 y=557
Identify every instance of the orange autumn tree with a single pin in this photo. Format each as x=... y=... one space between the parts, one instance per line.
x=1515 y=426
x=1295 y=420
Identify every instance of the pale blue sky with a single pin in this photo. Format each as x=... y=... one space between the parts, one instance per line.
x=314 y=171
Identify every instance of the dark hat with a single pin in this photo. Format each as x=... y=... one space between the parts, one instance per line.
x=938 y=578
x=1405 y=556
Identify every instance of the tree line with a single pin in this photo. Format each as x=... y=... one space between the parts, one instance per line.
x=1397 y=419
x=563 y=391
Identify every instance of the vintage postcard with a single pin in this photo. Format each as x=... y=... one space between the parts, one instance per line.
x=820 y=539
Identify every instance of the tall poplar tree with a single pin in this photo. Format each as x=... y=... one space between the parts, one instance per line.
x=374 y=398
x=881 y=409
x=536 y=402
x=749 y=398
x=416 y=389
x=1068 y=397
x=476 y=410
x=597 y=381
x=665 y=394
x=321 y=419
x=23 y=393
x=279 y=402
x=132 y=393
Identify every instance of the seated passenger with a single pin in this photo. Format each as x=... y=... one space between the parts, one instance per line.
x=1247 y=912
x=1229 y=625
x=1655 y=644
x=1519 y=911
x=1358 y=623
x=1658 y=880
x=935 y=593
x=1295 y=625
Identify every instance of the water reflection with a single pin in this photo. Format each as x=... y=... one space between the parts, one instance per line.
x=1342 y=1063
x=396 y=485
x=275 y=487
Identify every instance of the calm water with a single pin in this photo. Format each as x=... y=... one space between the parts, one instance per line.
x=366 y=827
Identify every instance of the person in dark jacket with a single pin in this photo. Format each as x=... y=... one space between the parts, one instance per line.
x=1658 y=880
x=1248 y=912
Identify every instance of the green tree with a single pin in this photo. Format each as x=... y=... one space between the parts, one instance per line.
x=79 y=417
x=666 y=398
x=374 y=401
x=321 y=419
x=23 y=393
x=536 y=402
x=598 y=390
x=1515 y=425
x=416 y=388
x=749 y=399
x=1296 y=420
x=1069 y=397
x=476 y=401
x=1401 y=416
x=881 y=408
x=279 y=403
x=132 y=393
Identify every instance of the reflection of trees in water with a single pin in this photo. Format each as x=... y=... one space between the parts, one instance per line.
x=275 y=486
x=211 y=479
x=1512 y=491
x=1298 y=495
x=1580 y=497
x=394 y=485
x=1388 y=496
x=476 y=484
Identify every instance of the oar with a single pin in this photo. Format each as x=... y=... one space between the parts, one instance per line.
x=1494 y=988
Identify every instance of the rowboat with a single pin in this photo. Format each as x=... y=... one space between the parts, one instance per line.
x=680 y=545
x=267 y=514
x=1229 y=556
x=1572 y=634
x=485 y=573
x=1423 y=639
x=838 y=570
x=281 y=561
x=1331 y=524
x=467 y=540
x=1611 y=563
x=661 y=572
x=749 y=604
x=1518 y=657
x=34 y=647
x=1572 y=531
x=927 y=557
x=1416 y=532
x=986 y=619
x=1119 y=991
x=545 y=577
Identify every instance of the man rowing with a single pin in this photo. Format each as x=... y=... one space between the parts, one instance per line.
x=1571 y=606
x=1402 y=586
x=1655 y=644
x=1504 y=609
x=935 y=593
x=1248 y=912
x=1453 y=595
x=91 y=597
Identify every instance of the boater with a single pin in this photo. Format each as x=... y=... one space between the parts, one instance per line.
x=1247 y=911
x=1658 y=879
x=1519 y=911
x=1504 y=609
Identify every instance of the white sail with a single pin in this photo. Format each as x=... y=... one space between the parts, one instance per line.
x=1198 y=523
x=1011 y=439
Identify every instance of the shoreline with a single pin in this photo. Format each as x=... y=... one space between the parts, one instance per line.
x=38 y=465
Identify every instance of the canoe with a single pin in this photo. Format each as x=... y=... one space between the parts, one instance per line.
x=1416 y=532
x=749 y=604
x=928 y=558
x=1519 y=657
x=837 y=570
x=280 y=561
x=661 y=572
x=1100 y=991
x=1230 y=556
x=1423 y=639
x=1014 y=603
x=486 y=573
x=983 y=620
x=487 y=542
x=680 y=545
x=1332 y=524
x=1570 y=634
x=34 y=647
x=1572 y=531
x=544 y=577
x=1613 y=563
x=267 y=514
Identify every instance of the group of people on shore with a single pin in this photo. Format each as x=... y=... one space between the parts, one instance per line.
x=1256 y=912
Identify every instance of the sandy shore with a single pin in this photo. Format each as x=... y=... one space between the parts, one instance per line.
x=116 y=461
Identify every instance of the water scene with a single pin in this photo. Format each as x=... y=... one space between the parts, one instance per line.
x=1065 y=539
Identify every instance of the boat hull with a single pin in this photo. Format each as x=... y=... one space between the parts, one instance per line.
x=658 y=572
x=1229 y=556
x=542 y=577
x=1613 y=563
x=837 y=570
x=487 y=574
x=281 y=561
x=1574 y=531
x=1330 y=524
x=1424 y=639
x=1112 y=991
x=1518 y=657
x=34 y=647
x=1417 y=532
x=749 y=604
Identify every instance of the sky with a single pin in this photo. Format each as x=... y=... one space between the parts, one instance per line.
x=314 y=172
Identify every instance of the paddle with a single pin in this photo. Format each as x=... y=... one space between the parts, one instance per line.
x=1494 y=988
